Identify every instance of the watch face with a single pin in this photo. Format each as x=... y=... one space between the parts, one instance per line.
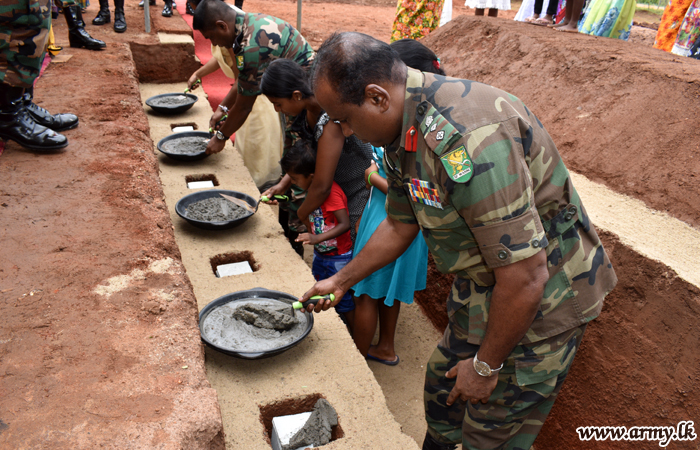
x=482 y=368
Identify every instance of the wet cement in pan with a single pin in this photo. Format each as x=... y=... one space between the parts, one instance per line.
x=222 y=328
x=215 y=209
x=169 y=102
x=190 y=145
x=317 y=429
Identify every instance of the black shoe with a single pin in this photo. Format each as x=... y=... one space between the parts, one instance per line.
x=57 y=122
x=150 y=2
x=167 y=10
x=188 y=9
x=77 y=36
x=430 y=443
x=102 y=17
x=119 y=21
x=20 y=127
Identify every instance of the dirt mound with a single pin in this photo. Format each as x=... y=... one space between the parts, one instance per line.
x=620 y=113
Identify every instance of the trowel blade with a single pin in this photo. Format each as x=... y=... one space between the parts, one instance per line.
x=240 y=202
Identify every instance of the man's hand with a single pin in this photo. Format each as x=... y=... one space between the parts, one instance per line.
x=215 y=145
x=469 y=384
x=324 y=287
x=215 y=119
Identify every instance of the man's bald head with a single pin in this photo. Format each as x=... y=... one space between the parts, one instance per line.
x=350 y=61
x=209 y=11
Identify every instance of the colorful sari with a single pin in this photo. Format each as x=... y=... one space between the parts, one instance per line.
x=670 y=24
x=608 y=18
x=689 y=31
x=415 y=19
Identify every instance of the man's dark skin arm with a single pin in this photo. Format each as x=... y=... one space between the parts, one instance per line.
x=388 y=242
x=515 y=300
x=242 y=106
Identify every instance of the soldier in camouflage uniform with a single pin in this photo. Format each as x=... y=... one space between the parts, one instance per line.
x=473 y=169
x=24 y=30
x=254 y=40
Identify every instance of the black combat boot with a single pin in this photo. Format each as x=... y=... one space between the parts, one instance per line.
x=119 y=19
x=18 y=125
x=430 y=443
x=168 y=8
x=103 y=16
x=77 y=36
x=150 y=2
x=57 y=122
x=188 y=9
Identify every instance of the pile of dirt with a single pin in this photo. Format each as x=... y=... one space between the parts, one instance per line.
x=620 y=113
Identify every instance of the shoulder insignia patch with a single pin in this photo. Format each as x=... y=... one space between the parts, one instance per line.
x=239 y=62
x=438 y=132
x=458 y=165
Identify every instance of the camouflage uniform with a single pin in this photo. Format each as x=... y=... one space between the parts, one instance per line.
x=477 y=171
x=262 y=39
x=24 y=31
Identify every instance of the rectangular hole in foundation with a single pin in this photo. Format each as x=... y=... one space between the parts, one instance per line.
x=187 y=126
x=201 y=181
x=232 y=258
x=292 y=406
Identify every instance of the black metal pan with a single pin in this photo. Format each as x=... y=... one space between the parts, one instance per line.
x=180 y=156
x=184 y=202
x=169 y=110
x=257 y=293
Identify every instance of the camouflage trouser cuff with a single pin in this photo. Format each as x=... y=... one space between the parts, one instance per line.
x=434 y=441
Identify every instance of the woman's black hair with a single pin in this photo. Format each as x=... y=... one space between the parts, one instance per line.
x=284 y=76
x=300 y=159
x=417 y=56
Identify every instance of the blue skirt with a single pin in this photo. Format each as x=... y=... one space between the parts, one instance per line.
x=401 y=278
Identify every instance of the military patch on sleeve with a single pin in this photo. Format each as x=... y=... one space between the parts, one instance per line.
x=458 y=165
x=239 y=62
x=421 y=192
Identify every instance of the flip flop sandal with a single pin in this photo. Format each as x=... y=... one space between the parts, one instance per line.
x=383 y=361
x=541 y=22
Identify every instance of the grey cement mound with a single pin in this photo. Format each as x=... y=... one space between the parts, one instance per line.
x=189 y=145
x=223 y=328
x=178 y=100
x=215 y=209
x=274 y=318
x=317 y=429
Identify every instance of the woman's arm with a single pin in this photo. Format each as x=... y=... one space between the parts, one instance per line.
x=210 y=67
x=330 y=146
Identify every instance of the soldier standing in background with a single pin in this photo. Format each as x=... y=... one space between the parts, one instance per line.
x=24 y=31
x=254 y=40
x=473 y=169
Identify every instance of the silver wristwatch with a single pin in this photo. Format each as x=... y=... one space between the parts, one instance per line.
x=484 y=369
x=220 y=136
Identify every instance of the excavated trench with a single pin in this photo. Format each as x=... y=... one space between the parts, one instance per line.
x=622 y=116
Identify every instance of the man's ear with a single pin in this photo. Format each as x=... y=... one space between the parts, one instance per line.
x=222 y=25
x=377 y=96
x=297 y=95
